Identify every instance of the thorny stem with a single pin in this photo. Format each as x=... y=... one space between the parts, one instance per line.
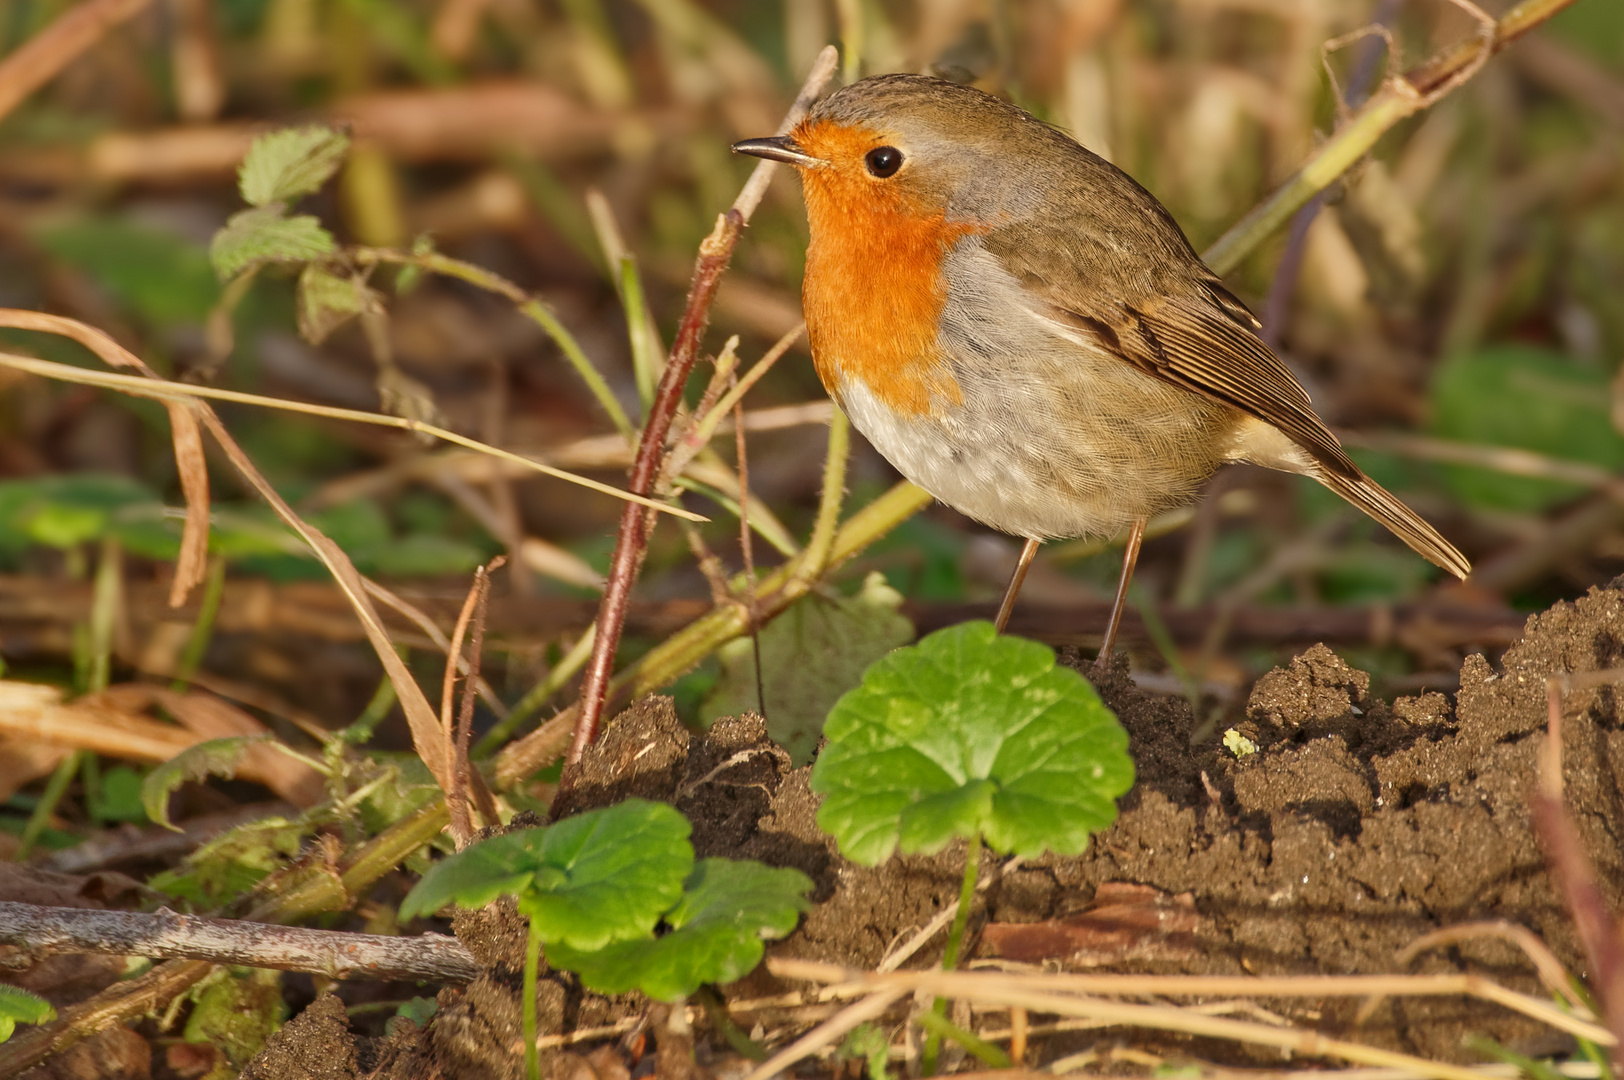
x=955 y=940
x=631 y=540
x=821 y=544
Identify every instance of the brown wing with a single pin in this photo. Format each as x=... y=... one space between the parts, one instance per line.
x=1199 y=341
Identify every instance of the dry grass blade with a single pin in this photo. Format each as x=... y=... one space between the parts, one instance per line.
x=419 y=715
x=192 y=562
x=829 y=1032
x=1064 y=995
x=166 y=391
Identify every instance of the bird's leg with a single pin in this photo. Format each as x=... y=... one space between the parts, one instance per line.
x=1130 y=556
x=1015 y=580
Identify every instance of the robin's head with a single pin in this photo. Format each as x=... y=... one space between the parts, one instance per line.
x=920 y=146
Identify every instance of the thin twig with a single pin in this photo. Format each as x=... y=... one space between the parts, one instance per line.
x=631 y=540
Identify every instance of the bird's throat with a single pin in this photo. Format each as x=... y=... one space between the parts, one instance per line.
x=874 y=295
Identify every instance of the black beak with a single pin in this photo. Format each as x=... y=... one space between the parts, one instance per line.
x=779 y=148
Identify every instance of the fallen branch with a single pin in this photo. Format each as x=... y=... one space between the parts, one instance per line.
x=166 y=935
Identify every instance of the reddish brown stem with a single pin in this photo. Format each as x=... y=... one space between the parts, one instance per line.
x=631 y=540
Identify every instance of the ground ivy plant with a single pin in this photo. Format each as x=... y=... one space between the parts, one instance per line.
x=969 y=734
x=615 y=896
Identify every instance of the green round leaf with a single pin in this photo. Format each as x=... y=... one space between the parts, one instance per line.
x=603 y=876
x=727 y=909
x=969 y=734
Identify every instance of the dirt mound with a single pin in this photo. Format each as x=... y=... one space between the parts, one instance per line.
x=1353 y=827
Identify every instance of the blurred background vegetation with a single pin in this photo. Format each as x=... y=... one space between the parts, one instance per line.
x=1458 y=297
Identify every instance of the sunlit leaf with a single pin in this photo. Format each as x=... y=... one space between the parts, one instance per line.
x=970 y=733
x=602 y=876
x=283 y=165
x=728 y=908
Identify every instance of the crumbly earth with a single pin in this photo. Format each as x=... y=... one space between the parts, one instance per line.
x=1355 y=827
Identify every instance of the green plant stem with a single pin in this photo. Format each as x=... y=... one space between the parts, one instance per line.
x=532 y=964
x=197 y=642
x=104 y=607
x=716 y=1008
x=680 y=652
x=950 y=956
x=383 y=699
x=821 y=544
x=942 y=1027
x=645 y=363
x=55 y=788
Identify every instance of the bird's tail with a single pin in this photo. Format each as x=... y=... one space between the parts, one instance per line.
x=1404 y=523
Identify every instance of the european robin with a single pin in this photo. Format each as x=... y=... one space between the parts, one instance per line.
x=1027 y=334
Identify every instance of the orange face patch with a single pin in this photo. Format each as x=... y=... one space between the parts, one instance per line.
x=873 y=291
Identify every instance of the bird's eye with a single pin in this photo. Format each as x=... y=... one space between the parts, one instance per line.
x=883 y=161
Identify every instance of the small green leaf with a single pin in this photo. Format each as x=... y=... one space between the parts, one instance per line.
x=419 y=1010
x=602 y=876
x=215 y=757
x=286 y=164
x=18 y=1006
x=810 y=655
x=970 y=733
x=264 y=234
x=327 y=301
x=727 y=909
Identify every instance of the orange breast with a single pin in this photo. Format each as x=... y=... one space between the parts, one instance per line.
x=873 y=291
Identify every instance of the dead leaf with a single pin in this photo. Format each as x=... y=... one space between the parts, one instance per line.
x=192 y=562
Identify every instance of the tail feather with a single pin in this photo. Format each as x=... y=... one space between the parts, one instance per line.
x=1399 y=519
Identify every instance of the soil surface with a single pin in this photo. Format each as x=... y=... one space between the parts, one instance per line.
x=1356 y=826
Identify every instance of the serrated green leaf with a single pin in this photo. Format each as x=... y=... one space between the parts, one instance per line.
x=215 y=757
x=18 y=1006
x=265 y=234
x=603 y=876
x=970 y=733
x=728 y=908
x=810 y=655
x=283 y=165
x=327 y=301
x=1529 y=398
